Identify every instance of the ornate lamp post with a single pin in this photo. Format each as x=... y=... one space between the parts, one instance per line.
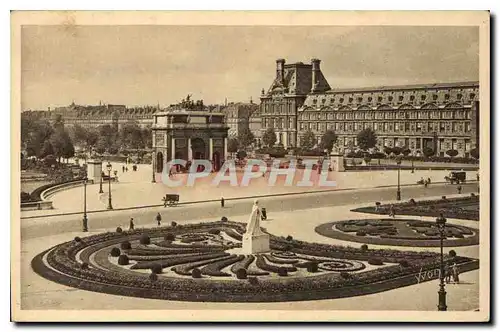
x=109 y=167
x=441 y=224
x=85 y=220
x=398 y=193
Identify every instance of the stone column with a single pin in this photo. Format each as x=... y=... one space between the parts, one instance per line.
x=173 y=149
x=225 y=148
x=190 y=150
x=210 y=148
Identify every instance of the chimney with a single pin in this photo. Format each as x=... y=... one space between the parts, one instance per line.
x=315 y=74
x=280 y=70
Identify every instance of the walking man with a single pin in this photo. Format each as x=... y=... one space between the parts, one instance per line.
x=158 y=219
x=447 y=273
x=459 y=189
x=455 y=273
x=131 y=225
x=222 y=202
x=392 y=211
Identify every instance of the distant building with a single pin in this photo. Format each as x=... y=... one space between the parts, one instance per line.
x=441 y=116
x=240 y=116
x=187 y=132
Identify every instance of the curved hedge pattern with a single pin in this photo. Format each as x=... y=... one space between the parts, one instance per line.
x=96 y=270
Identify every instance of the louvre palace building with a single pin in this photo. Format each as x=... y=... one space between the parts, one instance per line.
x=441 y=116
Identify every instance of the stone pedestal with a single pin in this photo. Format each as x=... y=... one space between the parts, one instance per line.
x=337 y=163
x=254 y=244
x=94 y=170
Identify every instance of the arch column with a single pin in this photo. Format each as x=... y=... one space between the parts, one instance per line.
x=173 y=149
x=211 y=148
x=190 y=150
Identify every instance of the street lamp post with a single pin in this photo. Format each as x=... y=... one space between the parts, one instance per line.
x=398 y=193
x=412 y=166
x=441 y=224
x=100 y=184
x=109 y=167
x=85 y=220
x=153 y=180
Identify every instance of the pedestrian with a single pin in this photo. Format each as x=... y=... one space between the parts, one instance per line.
x=459 y=189
x=392 y=211
x=222 y=202
x=447 y=273
x=131 y=226
x=123 y=169
x=428 y=180
x=126 y=169
x=158 y=219
x=455 y=273
x=426 y=183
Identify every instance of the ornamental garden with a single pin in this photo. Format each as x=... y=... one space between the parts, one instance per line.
x=203 y=262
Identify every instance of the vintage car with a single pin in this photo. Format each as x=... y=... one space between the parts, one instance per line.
x=170 y=200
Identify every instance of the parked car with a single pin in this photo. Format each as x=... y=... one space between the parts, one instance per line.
x=455 y=177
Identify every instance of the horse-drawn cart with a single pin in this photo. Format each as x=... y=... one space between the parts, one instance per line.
x=170 y=200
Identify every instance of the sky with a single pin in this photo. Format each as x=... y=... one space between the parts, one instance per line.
x=149 y=65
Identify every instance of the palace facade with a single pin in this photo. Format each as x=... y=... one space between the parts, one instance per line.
x=441 y=116
x=241 y=116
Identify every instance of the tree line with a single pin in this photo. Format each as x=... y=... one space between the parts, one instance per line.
x=41 y=138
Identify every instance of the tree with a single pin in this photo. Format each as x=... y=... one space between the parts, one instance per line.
x=41 y=131
x=406 y=151
x=147 y=137
x=366 y=139
x=387 y=150
x=452 y=153
x=269 y=137
x=232 y=145
x=242 y=154
x=46 y=150
x=58 y=122
x=397 y=150
x=428 y=152
x=101 y=145
x=328 y=140
x=62 y=144
x=308 y=140
x=475 y=153
x=131 y=136
x=245 y=138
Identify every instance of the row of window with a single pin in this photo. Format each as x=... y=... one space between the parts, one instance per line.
x=380 y=99
x=418 y=143
x=440 y=127
x=449 y=114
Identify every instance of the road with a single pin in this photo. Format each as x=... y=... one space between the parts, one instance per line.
x=44 y=226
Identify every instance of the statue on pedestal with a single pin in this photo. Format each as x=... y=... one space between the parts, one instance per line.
x=254 y=239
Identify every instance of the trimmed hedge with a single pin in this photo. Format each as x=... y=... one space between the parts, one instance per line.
x=375 y=261
x=115 y=252
x=123 y=260
x=125 y=245
x=196 y=273
x=145 y=240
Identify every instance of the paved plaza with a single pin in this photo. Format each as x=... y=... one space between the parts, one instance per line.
x=135 y=189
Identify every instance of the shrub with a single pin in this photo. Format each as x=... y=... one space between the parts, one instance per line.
x=214 y=231
x=364 y=247
x=375 y=261
x=312 y=267
x=125 y=245
x=223 y=219
x=78 y=239
x=472 y=195
x=345 y=275
x=404 y=263
x=115 y=252
x=443 y=197
x=84 y=266
x=360 y=233
x=377 y=203
x=253 y=280
x=282 y=272
x=153 y=277
x=169 y=237
x=452 y=253
x=144 y=239
x=173 y=224
x=459 y=235
x=241 y=274
x=156 y=269
x=119 y=229
x=289 y=238
x=196 y=273
x=123 y=260
x=25 y=197
x=412 y=201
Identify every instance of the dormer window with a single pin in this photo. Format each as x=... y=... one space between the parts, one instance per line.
x=446 y=96
x=360 y=99
x=400 y=98
x=435 y=97
x=472 y=96
x=341 y=100
x=390 y=98
x=350 y=99
x=423 y=97
x=380 y=99
x=370 y=98
x=459 y=96
x=315 y=101
x=412 y=97
x=332 y=100
x=323 y=101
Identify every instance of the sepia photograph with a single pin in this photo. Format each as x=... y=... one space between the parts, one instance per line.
x=250 y=166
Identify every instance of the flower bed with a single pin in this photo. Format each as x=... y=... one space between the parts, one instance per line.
x=403 y=232
x=457 y=208
x=59 y=264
